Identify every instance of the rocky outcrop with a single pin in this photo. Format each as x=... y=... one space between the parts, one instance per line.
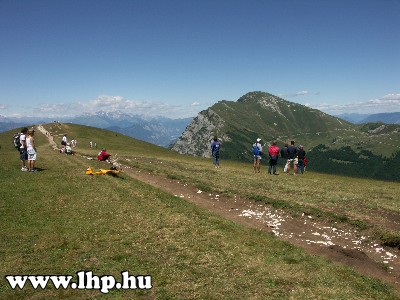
x=267 y=101
x=198 y=135
x=377 y=130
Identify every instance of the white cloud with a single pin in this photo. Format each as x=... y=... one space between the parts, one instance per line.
x=388 y=103
x=116 y=103
x=113 y=103
x=395 y=97
x=300 y=93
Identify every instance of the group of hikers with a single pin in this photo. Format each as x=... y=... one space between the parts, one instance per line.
x=295 y=156
x=66 y=146
x=25 y=144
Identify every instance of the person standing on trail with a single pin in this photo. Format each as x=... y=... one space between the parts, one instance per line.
x=284 y=155
x=22 y=149
x=301 y=157
x=292 y=158
x=31 y=150
x=273 y=152
x=257 y=152
x=215 y=148
x=64 y=140
x=305 y=162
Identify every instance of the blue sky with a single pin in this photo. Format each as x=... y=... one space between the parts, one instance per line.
x=177 y=57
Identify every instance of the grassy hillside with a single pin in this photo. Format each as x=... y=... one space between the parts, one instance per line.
x=61 y=221
x=259 y=114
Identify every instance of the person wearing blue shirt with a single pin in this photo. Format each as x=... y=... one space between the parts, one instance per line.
x=301 y=155
x=215 y=148
x=257 y=152
x=292 y=158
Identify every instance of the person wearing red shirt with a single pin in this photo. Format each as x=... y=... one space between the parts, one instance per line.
x=103 y=155
x=305 y=161
x=273 y=152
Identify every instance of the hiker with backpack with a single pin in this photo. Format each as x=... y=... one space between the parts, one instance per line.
x=215 y=147
x=257 y=152
x=273 y=152
x=20 y=144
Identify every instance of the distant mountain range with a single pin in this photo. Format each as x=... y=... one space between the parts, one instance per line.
x=160 y=131
x=388 y=118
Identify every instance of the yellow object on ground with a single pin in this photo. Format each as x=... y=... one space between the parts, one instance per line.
x=89 y=171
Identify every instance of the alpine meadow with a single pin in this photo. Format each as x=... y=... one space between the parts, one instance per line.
x=196 y=230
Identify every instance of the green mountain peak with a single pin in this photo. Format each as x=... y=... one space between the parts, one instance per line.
x=262 y=115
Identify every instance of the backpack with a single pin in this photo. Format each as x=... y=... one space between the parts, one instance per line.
x=256 y=151
x=16 y=141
